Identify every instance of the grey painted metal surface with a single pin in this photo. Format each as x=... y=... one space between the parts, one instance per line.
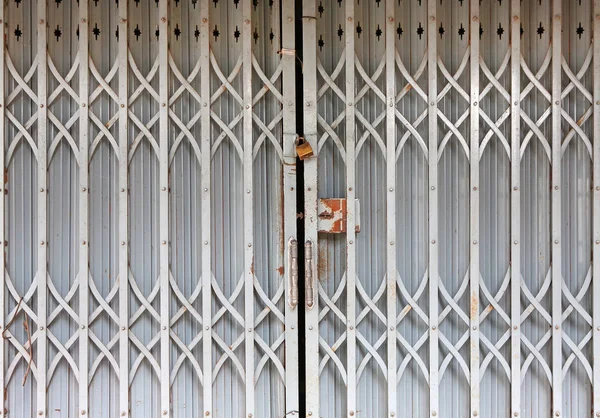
x=465 y=129
x=144 y=148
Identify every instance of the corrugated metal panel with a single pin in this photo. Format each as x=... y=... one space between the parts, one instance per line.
x=489 y=227
x=174 y=111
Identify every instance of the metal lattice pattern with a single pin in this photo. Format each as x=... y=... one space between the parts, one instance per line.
x=147 y=171
x=465 y=130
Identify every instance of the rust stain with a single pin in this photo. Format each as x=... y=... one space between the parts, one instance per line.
x=281 y=270
x=408 y=88
x=336 y=210
x=474 y=306
x=322 y=263
x=406 y=310
x=252 y=266
x=489 y=309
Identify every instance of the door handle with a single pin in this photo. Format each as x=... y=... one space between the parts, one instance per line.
x=293 y=273
x=308 y=271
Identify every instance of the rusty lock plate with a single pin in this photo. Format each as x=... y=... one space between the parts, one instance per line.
x=333 y=215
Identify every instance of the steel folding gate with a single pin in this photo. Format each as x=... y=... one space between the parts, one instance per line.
x=451 y=208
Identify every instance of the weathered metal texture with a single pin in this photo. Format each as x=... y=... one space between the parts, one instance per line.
x=491 y=188
x=133 y=131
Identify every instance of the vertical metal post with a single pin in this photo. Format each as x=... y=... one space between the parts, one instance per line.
x=83 y=206
x=474 y=211
x=123 y=213
x=351 y=221
x=390 y=66
x=433 y=212
x=248 y=207
x=596 y=217
x=2 y=211
x=309 y=29
x=556 y=209
x=515 y=209
x=163 y=202
x=42 y=160
x=205 y=178
x=288 y=44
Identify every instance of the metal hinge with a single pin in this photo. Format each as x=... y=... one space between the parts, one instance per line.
x=293 y=272
x=309 y=274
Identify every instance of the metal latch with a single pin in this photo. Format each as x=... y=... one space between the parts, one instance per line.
x=333 y=215
x=293 y=272
x=309 y=274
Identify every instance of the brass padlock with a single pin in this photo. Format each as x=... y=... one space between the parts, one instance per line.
x=303 y=149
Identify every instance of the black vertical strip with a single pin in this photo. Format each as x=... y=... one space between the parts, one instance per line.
x=300 y=209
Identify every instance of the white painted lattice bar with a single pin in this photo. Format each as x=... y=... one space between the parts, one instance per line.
x=484 y=211
x=129 y=129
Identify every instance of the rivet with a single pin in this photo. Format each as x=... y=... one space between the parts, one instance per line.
x=123 y=413
x=516 y=102
x=556 y=102
x=41 y=190
x=122 y=242
x=206 y=327
x=249 y=245
x=41 y=328
x=40 y=413
x=41 y=22
x=391 y=328
x=247 y=106
x=122 y=328
x=207 y=413
x=475 y=242
x=246 y=21
x=598 y=414
x=163 y=19
x=164 y=242
x=474 y=103
x=555 y=187
x=206 y=189
x=515 y=327
x=515 y=242
x=83 y=189
x=597 y=187
x=432 y=103
x=123 y=190
x=123 y=21
x=164 y=328
x=204 y=20
x=432 y=18
x=289 y=19
x=83 y=327
x=434 y=327
x=82 y=412
x=474 y=327
x=475 y=188
x=432 y=187
x=391 y=242
x=350 y=188
x=83 y=105
x=165 y=412
x=349 y=103
x=310 y=328
x=164 y=104
x=309 y=189
x=475 y=413
x=391 y=189
x=309 y=413
x=556 y=241
x=351 y=413
x=515 y=18
x=83 y=243
x=248 y=191
x=475 y=18
x=515 y=188
x=433 y=241
x=42 y=243
x=350 y=242
x=516 y=414
x=249 y=329
x=41 y=105
x=557 y=413
x=392 y=414
x=349 y=19
x=391 y=19
x=164 y=189
x=597 y=241
x=556 y=327
x=351 y=327
x=122 y=105
x=205 y=242
x=434 y=413
x=293 y=327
